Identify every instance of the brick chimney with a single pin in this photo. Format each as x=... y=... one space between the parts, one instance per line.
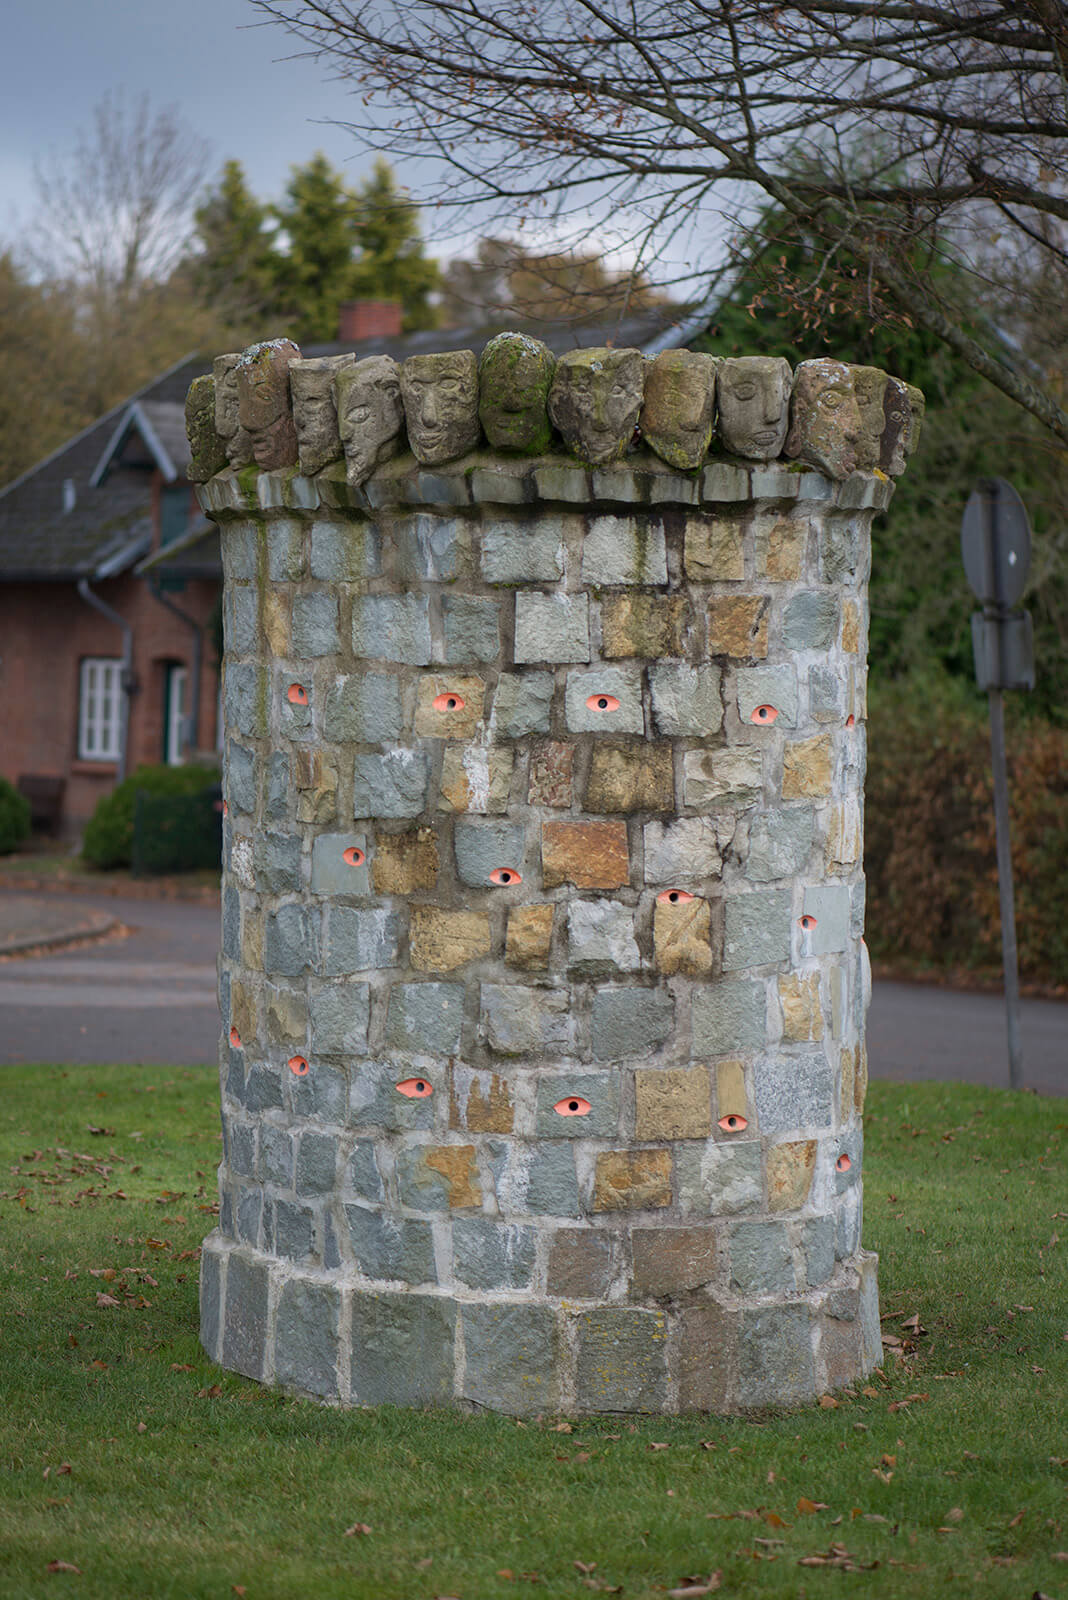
x=369 y=319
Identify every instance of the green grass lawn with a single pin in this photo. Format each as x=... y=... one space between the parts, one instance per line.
x=128 y=1456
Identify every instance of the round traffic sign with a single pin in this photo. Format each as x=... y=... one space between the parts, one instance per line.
x=995 y=542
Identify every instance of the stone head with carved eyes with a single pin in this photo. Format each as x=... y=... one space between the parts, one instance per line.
x=680 y=398
x=370 y=414
x=440 y=394
x=514 y=375
x=311 y=384
x=826 y=422
x=263 y=405
x=754 y=406
x=595 y=401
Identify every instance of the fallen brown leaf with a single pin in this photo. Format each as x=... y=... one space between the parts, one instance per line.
x=955 y=1515
x=696 y=1586
x=360 y=1529
x=103 y=1299
x=1015 y=1521
x=659 y=1447
x=63 y=1566
x=828 y=1402
x=238 y=1588
x=585 y=1566
x=142 y=1427
x=807 y=1507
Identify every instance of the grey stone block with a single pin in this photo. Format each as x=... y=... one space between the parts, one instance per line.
x=630 y=1022
x=826 y=695
x=868 y=1314
x=339 y=1013
x=240 y=787
x=375 y=1101
x=263 y=1088
x=425 y=1018
x=761 y=1259
x=779 y=843
x=323 y=1092
x=364 y=706
x=756 y=929
x=240 y=543
x=436 y=1177
x=249 y=1214
x=682 y=851
x=294 y=1231
x=362 y=1177
x=360 y=939
x=483 y=847
x=622 y=1360
x=315 y=624
x=830 y=905
x=316 y=1163
x=231 y=923
x=291 y=941
x=472 y=628
x=729 y=1017
x=245 y=1320
x=559 y=480
x=724 y=480
x=279 y=786
x=245 y=698
x=293 y=719
x=402 y=1349
x=522 y=704
x=794 y=1092
x=210 y=1298
x=285 y=549
x=235 y=1077
x=390 y=785
x=600 y=1089
x=522 y=552
x=686 y=700
x=331 y=1247
x=331 y=873
x=397 y=1249
x=392 y=627
x=497 y=486
x=850 y=1219
x=428 y=546
x=843 y=549
x=276 y=1156
x=241 y=1152
x=306 y=1337
x=818 y=1239
x=551 y=627
x=851 y=1146
x=860 y=895
x=276 y=859
x=241 y=629
x=619 y=684
x=810 y=620
x=525 y=1021
x=550 y=1182
x=775 y=1357
x=718 y=778
x=344 y=552
x=488 y=1254
x=767 y=686
x=512 y=1361
x=719 y=1179
x=624 y=550
x=600 y=936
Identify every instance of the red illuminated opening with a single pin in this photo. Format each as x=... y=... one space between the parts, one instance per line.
x=297 y=695
x=851 y=721
x=226 y=809
x=235 y=1039
x=764 y=715
x=415 y=1088
x=507 y=877
x=298 y=1066
x=843 y=1163
x=353 y=856
x=807 y=922
x=572 y=1105
x=733 y=1123
x=448 y=702
x=673 y=897
x=602 y=702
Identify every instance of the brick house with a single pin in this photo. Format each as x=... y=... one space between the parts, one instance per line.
x=110 y=580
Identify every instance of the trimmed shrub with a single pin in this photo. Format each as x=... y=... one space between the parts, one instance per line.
x=14 y=818
x=930 y=837
x=109 y=833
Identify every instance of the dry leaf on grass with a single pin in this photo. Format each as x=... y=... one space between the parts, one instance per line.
x=696 y=1586
x=659 y=1447
x=63 y=1566
x=106 y=1299
x=360 y=1529
x=807 y=1507
x=837 y=1556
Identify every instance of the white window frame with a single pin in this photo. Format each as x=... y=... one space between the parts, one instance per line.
x=100 y=708
x=177 y=715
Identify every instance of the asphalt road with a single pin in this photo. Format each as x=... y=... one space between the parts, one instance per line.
x=150 y=998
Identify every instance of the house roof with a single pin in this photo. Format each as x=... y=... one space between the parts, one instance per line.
x=74 y=515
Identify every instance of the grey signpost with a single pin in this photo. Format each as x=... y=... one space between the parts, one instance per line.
x=995 y=541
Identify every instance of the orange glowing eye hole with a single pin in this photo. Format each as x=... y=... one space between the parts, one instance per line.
x=353 y=856
x=235 y=1039
x=415 y=1088
x=673 y=897
x=807 y=922
x=733 y=1123
x=298 y=1066
x=297 y=695
x=572 y=1105
x=226 y=809
x=602 y=702
x=506 y=876
x=764 y=714
x=448 y=702
x=843 y=1163
x=851 y=721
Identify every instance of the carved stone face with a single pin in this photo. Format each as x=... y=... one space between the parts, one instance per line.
x=897 y=421
x=311 y=384
x=754 y=406
x=440 y=394
x=207 y=448
x=870 y=387
x=514 y=376
x=263 y=402
x=595 y=400
x=917 y=408
x=826 y=418
x=370 y=414
x=227 y=425
x=680 y=397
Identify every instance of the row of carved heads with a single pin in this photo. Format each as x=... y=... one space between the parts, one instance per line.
x=269 y=407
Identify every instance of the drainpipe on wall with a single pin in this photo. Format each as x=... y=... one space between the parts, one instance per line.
x=193 y=722
x=128 y=684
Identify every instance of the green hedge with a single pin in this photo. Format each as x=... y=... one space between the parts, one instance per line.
x=109 y=834
x=14 y=818
x=930 y=842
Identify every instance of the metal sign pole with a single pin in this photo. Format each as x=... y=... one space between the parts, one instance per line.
x=1005 y=885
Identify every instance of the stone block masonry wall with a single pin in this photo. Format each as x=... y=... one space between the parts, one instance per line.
x=542 y=978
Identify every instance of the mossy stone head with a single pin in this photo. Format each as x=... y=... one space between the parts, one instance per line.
x=514 y=377
x=595 y=401
x=208 y=450
x=680 y=397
